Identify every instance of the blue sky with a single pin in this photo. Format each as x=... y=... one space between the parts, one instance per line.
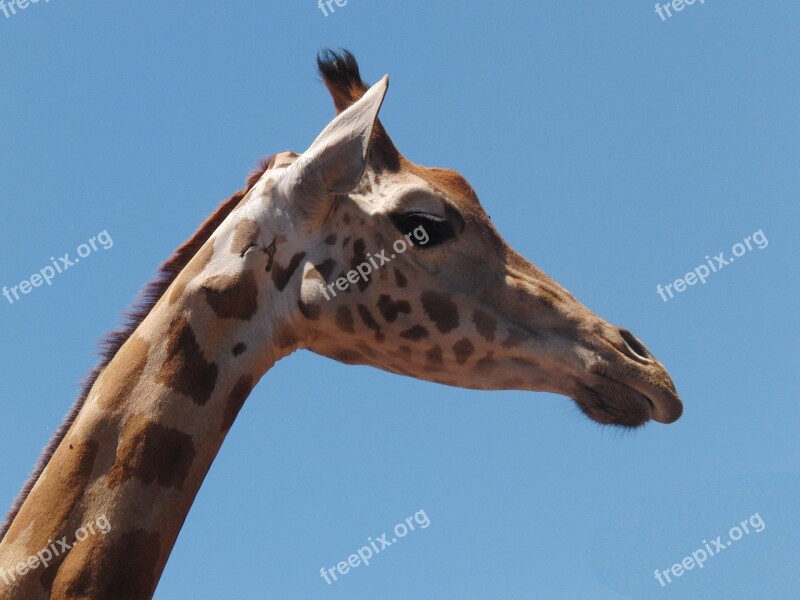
x=611 y=148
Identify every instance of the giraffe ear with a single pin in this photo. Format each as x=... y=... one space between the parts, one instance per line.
x=336 y=160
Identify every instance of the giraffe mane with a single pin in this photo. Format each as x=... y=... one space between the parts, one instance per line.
x=111 y=343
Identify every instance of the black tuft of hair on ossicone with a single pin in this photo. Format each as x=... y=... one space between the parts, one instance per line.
x=341 y=75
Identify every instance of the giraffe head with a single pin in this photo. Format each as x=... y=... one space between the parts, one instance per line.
x=387 y=263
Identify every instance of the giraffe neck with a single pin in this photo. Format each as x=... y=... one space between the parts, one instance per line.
x=149 y=431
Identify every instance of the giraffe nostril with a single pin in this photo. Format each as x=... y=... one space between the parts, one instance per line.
x=635 y=346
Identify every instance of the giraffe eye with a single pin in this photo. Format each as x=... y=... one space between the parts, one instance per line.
x=424 y=229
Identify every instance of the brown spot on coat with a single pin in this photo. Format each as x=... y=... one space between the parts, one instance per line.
x=399 y=278
x=344 y=319
x=309 y=311
x=441 y=309
x=370 y=321
x=313 y=273
x=151 y=452
x=415 y=333
x=326 y=269
x=390 y=309
x=281 y=276
x=485 y=323
x=126 y=568
x=360 y=256
x=284 y=335
x=515 y=338
x=186 y=370
x=524 y=362
x=485 y=365
x=434 y=355
x=122 y=374
x=239 y=348
x=345 y=241
x=463 y=349
x=232 y=297
x=241 y=390
x=345 y=284
x=192 y=270
x=244 y=236
x=284 y=159
x=331 y=239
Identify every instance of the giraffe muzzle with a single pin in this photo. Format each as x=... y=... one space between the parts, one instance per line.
x=610 y=401
x=629 y=386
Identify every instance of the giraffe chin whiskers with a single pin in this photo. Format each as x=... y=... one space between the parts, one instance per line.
x=612 y=403
x=607 y=400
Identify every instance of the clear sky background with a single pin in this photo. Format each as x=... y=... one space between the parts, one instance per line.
x=612 y=149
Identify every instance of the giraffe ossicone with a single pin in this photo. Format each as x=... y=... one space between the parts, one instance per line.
x=462 y=309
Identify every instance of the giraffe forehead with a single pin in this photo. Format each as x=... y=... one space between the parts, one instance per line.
x=441 y=192
x=452 y=186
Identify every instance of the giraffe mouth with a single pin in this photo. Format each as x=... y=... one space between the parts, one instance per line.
x=611 y=402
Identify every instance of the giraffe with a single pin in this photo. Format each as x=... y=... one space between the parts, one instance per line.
x=459 y=307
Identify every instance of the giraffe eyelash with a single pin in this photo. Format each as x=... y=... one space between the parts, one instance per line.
x=437 y=229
